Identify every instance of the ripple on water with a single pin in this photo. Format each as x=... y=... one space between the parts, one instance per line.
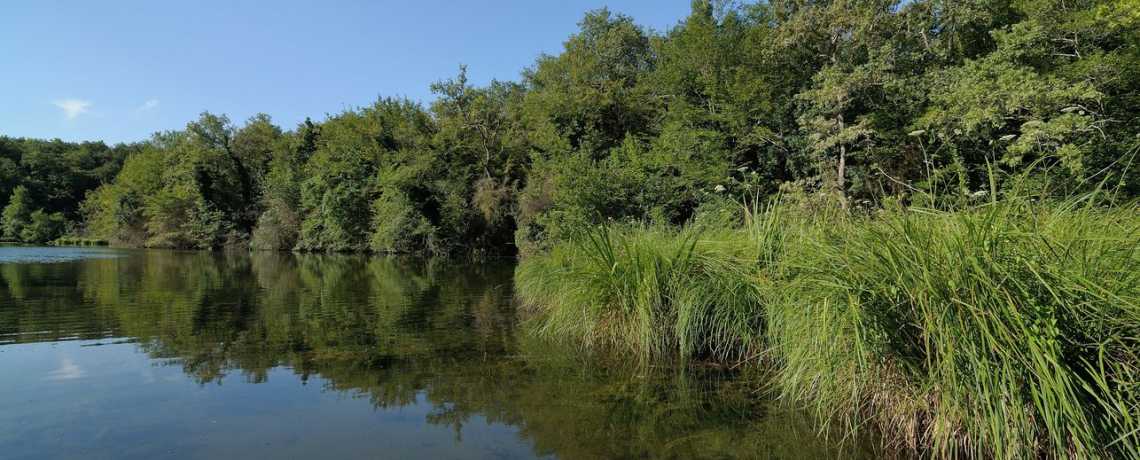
x=47 y=254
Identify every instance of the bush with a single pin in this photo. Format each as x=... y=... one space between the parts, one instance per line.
x=43 y=227
x=276 y=229
x=17 y=214
x=400 y=228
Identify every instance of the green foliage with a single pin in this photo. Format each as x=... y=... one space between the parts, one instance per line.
x=17 y=214
x=43 y=227
x=115 y=211
x=484 y=159
x=179 y=218
x=355 y=148
x=198 y=188
x=279 y=225
x=1003 y=330
x=399 y=227
x=53 y=176
x=589 y=97
x=79 y=241
x=20 y=223
x=866 y=101
x=653 y=292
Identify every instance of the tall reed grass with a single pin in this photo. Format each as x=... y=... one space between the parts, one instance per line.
x=1008 y=329
x=652 y=291
x=79 y=241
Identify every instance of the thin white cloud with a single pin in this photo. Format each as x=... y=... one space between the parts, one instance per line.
x=149 y=105
x=68 y=370
x=73 y=107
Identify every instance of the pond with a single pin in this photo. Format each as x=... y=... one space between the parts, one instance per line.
x=122 y=354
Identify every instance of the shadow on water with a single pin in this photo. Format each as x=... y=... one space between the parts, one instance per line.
x=396 y=332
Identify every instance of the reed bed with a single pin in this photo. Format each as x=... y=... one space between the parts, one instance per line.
x=1006 y=330
x=79 y=241
x=652 y=291
x=1002 y=330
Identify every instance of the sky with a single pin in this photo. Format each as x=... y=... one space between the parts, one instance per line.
x=121 y=70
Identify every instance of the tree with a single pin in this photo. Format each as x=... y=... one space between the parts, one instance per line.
x=279 y=225
x=43 y=227
x=485 y=149
x=235 y=160
x=114 y=211
x=589 y=96
x=355 y=149
x=17 y=214
x=846 y=37
x=863 y=100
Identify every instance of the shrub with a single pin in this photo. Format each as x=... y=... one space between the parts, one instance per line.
x=43 y=227
x=399 y=227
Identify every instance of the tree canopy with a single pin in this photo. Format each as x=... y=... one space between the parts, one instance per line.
x=857 y=101
x=43 y=183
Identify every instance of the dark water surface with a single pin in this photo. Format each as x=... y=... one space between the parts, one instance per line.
x=120 y=354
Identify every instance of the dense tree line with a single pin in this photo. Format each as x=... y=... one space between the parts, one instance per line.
x=43 y=183
x=857 y=100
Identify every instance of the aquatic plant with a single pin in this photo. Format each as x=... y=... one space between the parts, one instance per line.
x=654 y=291
x=79 y=241
x=1006 y=329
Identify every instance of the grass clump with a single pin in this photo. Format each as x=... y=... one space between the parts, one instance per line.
x=653 y=291
x=1007 y=330
x=79 y=241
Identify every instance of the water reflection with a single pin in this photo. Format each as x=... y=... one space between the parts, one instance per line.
x=440 y=336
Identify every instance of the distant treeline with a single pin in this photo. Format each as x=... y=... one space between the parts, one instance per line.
x=43 y=183
x=860 y=100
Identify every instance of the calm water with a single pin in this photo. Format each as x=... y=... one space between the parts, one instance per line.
x=123 y=354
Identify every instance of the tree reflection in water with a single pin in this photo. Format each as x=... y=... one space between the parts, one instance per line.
x=398 y=332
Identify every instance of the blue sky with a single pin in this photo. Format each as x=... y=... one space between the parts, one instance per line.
x=120 y=70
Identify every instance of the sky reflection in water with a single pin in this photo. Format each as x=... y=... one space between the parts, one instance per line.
x=145 y=354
